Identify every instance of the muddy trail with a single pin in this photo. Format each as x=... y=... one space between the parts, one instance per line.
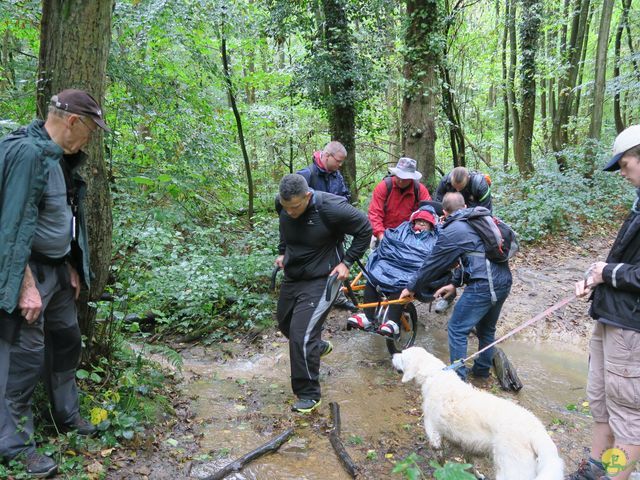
x=237 y=395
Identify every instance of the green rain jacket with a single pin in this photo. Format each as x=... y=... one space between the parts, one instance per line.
x=26 y=156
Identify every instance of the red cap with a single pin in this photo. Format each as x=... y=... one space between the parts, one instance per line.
x=423 y=215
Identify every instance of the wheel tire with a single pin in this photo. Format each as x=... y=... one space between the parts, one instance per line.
x=408 y=330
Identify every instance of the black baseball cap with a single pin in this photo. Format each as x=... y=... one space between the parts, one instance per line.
x=80 y=103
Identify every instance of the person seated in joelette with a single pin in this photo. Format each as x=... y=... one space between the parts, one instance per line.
x=398 y=257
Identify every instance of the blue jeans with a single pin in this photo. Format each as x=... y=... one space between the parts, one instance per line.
x=474 y=309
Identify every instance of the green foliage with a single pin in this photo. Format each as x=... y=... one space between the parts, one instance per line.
x=452 y=471
x=204 y=280
x=20 y=40
x=123 y=397
x=410 y=469
x=554 y=203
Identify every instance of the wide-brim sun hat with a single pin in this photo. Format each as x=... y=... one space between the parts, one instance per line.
x=406 y=169
x=627 y=139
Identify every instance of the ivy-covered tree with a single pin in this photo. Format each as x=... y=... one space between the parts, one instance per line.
x=529 y=33
x=341 y=101
x=423 y=49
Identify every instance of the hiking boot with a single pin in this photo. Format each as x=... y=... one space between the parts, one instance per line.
x=359 y=321
x=442 y=305
x=587 y=471
x=389 y=329
x=80 y=426
x=40 y=466
x=306 y=405
x=327 y=348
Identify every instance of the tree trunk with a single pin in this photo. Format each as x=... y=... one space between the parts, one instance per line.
x=529 y=33
x=616 y=75
x=595 y=126
x=456 y=135
x=626 y=5
x=236 y=114
x=505 y=89
x=419 y=103
x=341 y=109
x=570 y=54
x=74 y=46
x=511 y=74
x=581 y=66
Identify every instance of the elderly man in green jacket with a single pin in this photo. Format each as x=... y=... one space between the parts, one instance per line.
x=44 y=257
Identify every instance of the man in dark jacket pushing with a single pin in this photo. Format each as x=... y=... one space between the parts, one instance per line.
x=44 y=257
x=487 y=285
x=312 y=227
x=613 y=384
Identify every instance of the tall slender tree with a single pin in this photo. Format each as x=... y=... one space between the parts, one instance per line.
x=74 y=47
x=601 y=69
x=570 y=52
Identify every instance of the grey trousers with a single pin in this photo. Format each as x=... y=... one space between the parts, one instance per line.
x=49 y=349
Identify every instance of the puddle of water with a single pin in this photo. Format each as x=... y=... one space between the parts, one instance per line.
x=553 y=374
x=235 y=397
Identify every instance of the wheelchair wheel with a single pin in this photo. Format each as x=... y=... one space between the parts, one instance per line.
x=408 y=330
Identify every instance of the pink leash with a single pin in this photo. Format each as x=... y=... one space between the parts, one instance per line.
x=457 y=364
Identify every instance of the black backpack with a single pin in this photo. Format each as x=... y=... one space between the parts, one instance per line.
x=500 y=241
x=388 y=181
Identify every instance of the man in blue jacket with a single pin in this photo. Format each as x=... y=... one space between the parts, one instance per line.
x=323 y=175
x=44 y=257
x=487 y=285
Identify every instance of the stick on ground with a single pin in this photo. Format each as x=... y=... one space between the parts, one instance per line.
x=271 y=446
x=336 y=442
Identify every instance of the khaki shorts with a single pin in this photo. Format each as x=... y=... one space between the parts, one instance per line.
x=613 y=387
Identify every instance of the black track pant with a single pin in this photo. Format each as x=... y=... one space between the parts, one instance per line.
x=302 y=309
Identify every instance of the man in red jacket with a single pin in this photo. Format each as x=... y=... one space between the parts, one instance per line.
x=396 y=197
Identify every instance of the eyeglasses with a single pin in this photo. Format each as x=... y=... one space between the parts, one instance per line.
x=91 y=130
x=339 y=160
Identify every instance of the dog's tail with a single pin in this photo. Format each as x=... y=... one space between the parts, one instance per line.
x=549 y=465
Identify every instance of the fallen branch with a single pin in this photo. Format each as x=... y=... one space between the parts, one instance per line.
x=336 y=442
x=237 y=465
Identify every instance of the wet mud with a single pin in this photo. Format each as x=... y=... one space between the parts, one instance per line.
x=241 y=396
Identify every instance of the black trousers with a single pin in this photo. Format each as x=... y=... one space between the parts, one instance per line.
x=302 y=310
x=370 y=296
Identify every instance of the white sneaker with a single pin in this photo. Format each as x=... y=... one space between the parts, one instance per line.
x=359 y=320
x=442 y=305
x=389 y=329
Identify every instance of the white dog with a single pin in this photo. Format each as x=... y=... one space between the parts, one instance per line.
x=479 y=422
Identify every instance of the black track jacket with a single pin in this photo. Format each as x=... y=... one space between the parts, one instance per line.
x=617 y=300
x=312 y=243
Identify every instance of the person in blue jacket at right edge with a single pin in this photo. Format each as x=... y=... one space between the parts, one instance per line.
x=613 y=385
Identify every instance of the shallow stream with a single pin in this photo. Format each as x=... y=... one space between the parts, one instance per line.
x=245 y=401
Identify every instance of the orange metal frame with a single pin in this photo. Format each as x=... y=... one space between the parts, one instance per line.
x=357 y=286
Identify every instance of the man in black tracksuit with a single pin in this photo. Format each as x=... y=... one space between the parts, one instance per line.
x=312 y=227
